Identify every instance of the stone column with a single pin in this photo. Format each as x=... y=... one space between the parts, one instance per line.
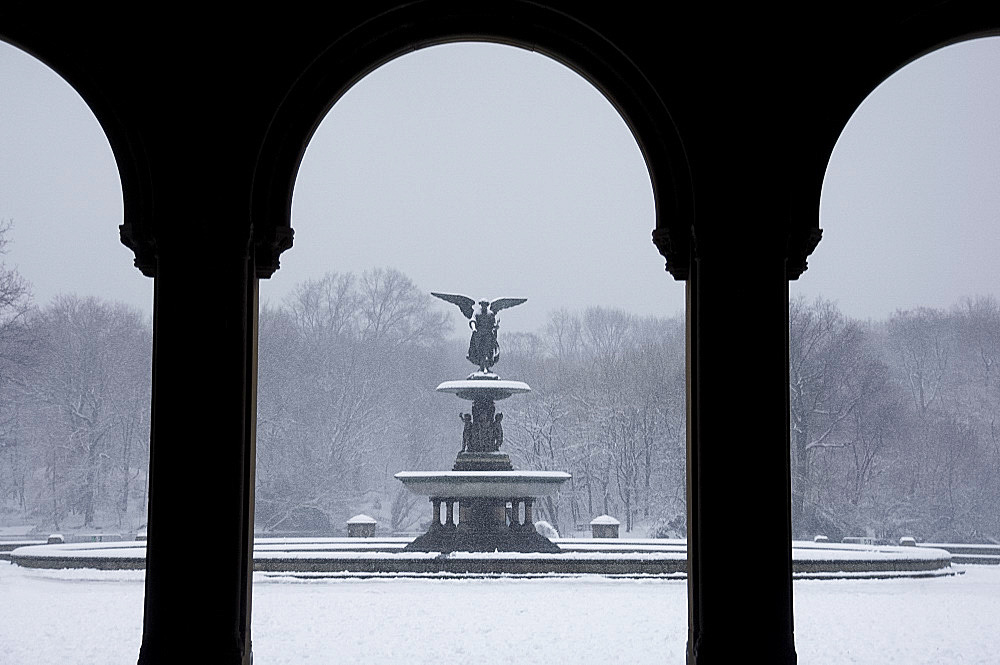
x=528 y=520
x=436 y=519
x=738 y=443
x=450 y=517
x=197 y=606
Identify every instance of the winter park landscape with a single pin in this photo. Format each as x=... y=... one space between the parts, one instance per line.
x=371 y=599
x=365 y=384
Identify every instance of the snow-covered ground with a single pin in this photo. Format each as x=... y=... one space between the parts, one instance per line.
x=83 y=617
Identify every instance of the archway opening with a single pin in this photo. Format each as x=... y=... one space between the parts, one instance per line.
x=75 y=347
x=894 y=328
x=489 y=171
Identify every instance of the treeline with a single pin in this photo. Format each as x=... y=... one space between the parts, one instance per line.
x=607 y=406
x=74 y=434
x=74 y=408
x=895 y=425
x=348 y=367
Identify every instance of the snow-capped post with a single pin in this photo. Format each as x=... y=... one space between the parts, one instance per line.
x=604 y=526
x=361 y=526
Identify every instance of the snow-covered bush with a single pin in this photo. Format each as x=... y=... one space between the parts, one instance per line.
x=546 y=529
x=669 y=527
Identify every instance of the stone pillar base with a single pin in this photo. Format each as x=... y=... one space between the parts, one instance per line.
x=482 y=527
x=467 y=461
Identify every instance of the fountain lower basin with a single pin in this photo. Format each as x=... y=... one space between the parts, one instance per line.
x=494 y=509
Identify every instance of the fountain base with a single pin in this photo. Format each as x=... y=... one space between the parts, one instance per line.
x=494 y=509
x=494 y=501
x=485 y=525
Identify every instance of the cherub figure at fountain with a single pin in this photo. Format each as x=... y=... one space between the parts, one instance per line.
x=482 y=436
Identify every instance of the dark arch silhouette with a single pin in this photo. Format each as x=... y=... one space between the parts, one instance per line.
x=880 y=65
x=875 y=60
x=529 y=26
x=126 y=144
x=208 y=112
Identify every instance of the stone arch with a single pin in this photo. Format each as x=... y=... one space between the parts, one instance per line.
x=885 y=52
x=126 y=145
x=402 y=30
x=884 y=64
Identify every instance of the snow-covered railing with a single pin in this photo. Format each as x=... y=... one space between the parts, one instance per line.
x=8 y=546
x=969 y=553
x=639 y=557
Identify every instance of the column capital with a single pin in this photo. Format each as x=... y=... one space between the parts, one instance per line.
x=148 y=246
x=268 y=244
x=800 y=244
x=142 y=245
x=674 y=245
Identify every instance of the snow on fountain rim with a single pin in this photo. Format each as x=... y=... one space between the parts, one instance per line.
x=497 y=388
x=491 y=484
x=383 y=557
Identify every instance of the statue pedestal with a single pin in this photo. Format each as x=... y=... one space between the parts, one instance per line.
x=470 y=461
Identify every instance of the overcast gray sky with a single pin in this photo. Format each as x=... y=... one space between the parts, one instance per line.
x=465 y=166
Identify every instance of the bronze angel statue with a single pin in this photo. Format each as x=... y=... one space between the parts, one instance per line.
x=484 y=351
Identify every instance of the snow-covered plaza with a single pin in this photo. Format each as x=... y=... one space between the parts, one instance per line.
x=95 y=617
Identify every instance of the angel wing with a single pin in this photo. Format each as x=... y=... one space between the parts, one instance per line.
x=504 y=303
x=464 y=303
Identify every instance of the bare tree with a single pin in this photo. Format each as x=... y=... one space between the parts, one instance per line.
x=340 y=364
x=17 y=352
x=832 y=374
x=608 y=407
x=923 y=342
x=16 y=338
x=979 y=335
x=90 y=391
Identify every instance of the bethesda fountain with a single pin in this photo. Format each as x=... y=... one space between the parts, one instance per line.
x=494 y=500
x=494 y=523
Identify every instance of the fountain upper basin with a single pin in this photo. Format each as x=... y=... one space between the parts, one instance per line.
x=484 y=389
x=483 y=484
